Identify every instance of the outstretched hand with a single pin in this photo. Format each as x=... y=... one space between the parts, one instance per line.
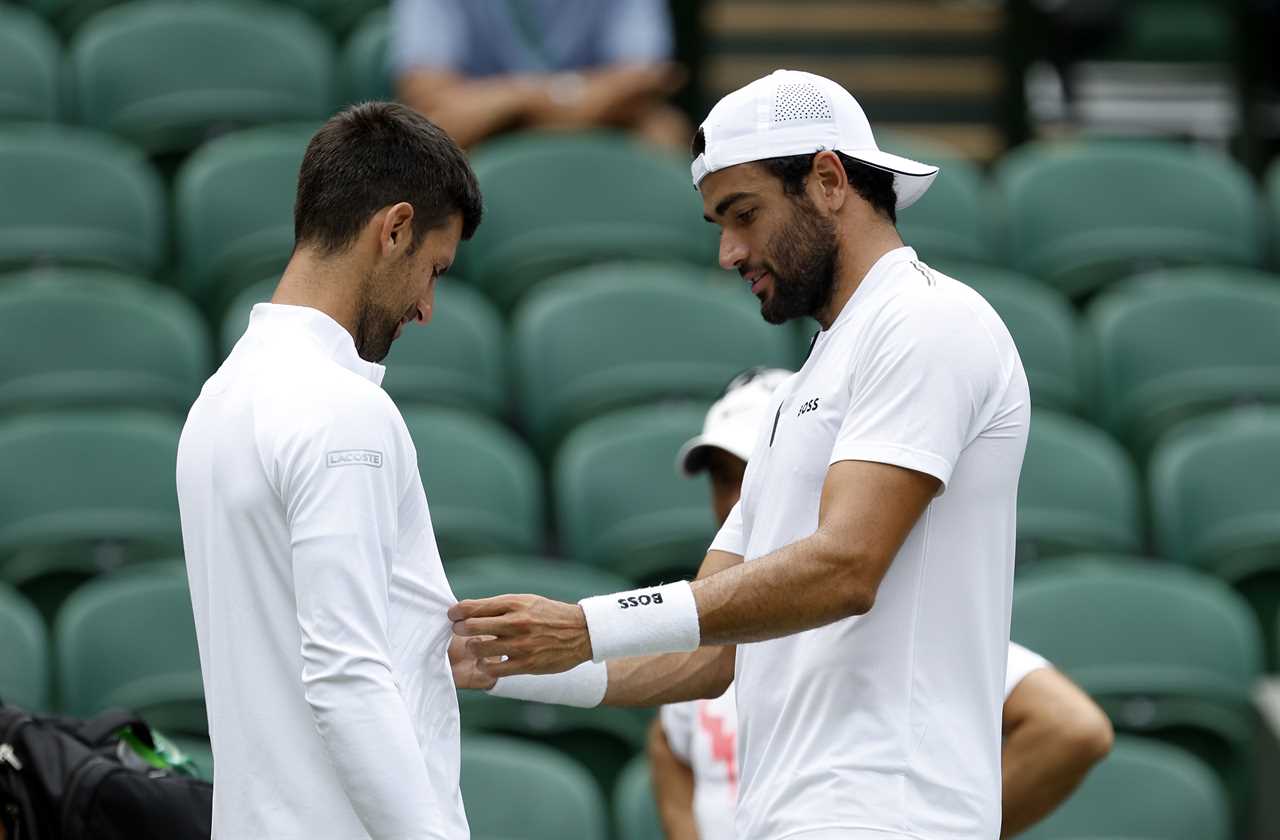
x=519 y=634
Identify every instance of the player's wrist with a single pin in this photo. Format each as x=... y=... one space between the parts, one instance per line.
x=583 y=686
x=641 y=622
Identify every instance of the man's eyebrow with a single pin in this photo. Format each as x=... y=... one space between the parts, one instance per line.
x=727 y=202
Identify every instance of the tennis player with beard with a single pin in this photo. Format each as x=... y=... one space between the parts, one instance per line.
x=861 y=588
x=319 y=597
x=1052 y=732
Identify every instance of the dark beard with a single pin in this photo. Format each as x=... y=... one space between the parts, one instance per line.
x=805 y=255
x=375 y=329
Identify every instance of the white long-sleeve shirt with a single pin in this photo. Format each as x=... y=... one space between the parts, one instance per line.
x=319 y=596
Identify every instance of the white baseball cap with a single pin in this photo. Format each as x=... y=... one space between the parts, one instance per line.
x=733 y=420
x=790 y=112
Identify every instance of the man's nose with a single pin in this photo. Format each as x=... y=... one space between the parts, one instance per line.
x=732 y=252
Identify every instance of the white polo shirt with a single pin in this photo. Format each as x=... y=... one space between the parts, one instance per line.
x=704 y=733
x=887 y=725
x=319 y=596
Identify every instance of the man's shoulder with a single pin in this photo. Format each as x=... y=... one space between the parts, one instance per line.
x=302 y=391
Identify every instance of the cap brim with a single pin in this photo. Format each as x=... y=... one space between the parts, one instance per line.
x=692 y=457
x=910 y=177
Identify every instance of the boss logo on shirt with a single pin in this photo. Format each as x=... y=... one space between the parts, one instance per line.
x=640 y=600
x=806 y=407
x=353 y=457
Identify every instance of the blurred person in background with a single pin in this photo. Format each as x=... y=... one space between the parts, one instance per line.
x=1053 y=732
x=479 y=69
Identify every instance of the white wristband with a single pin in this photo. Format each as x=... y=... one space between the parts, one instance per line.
x=659 y=619
x=583 y=686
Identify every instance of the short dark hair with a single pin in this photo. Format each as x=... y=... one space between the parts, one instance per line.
x=373 y=155
x=873 y=184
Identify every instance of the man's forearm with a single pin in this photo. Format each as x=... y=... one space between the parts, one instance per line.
x=669 y=677
x=469 y=111
x=798 y=587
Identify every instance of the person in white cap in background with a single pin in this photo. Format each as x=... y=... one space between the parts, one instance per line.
x=1053 y=733
x=859 y=593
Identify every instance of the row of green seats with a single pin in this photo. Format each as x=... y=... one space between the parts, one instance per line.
x=168 y=74
x=1145 y=355
x=1170 y=654
x=88 y=491
x=1131 y=206
x=86 y=198
x=128 y=639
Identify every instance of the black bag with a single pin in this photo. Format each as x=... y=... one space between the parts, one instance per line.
x=62 y=779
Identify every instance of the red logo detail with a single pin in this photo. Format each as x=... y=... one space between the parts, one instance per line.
x=723 y=743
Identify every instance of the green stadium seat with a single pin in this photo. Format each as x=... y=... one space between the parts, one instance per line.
x=634 y=809
x=486 y=575
x=66 y=16
x=602 y=739
x=459 y=359
x=30 y=67
x=1181 y=344
x=610 y=336
x=1166 y=651
x=1078 y=492
x=76 y=196
x=546 y=211
x=483 y=486
x=366 y=74
x=168 y=75
x=91 y=338
x=620 y=503
x=83 y=493
x=1043 y=326
x=131 y=642
x=337 y=16
x=1130 y=205
x=24 y=668
x=1215 y=503
x=946 y=223
x=514 y=789
x=233 y=203
x=1144 y=790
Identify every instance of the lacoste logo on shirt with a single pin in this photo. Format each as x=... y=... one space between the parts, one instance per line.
x=806 y=407
x=352 y=457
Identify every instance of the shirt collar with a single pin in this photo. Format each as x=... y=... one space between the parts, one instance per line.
x=878 y=272
x=329 y=337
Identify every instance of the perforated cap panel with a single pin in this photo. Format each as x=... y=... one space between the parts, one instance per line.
x=800 y=102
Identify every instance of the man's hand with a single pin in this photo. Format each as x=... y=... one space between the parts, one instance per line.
x=466 y=668
x=535 y=635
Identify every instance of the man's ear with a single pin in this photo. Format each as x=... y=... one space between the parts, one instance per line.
x=396 y=232
x=830 y=180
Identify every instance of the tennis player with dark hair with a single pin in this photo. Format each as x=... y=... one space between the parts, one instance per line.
x=861 y=588
x=319 y=597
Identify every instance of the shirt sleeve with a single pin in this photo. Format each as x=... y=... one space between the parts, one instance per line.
x=920 y=383
x=677 y=724
x=637 y=32
x=1021 y=663
x=339 y=486
x=731 y=536
x=426 y=35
